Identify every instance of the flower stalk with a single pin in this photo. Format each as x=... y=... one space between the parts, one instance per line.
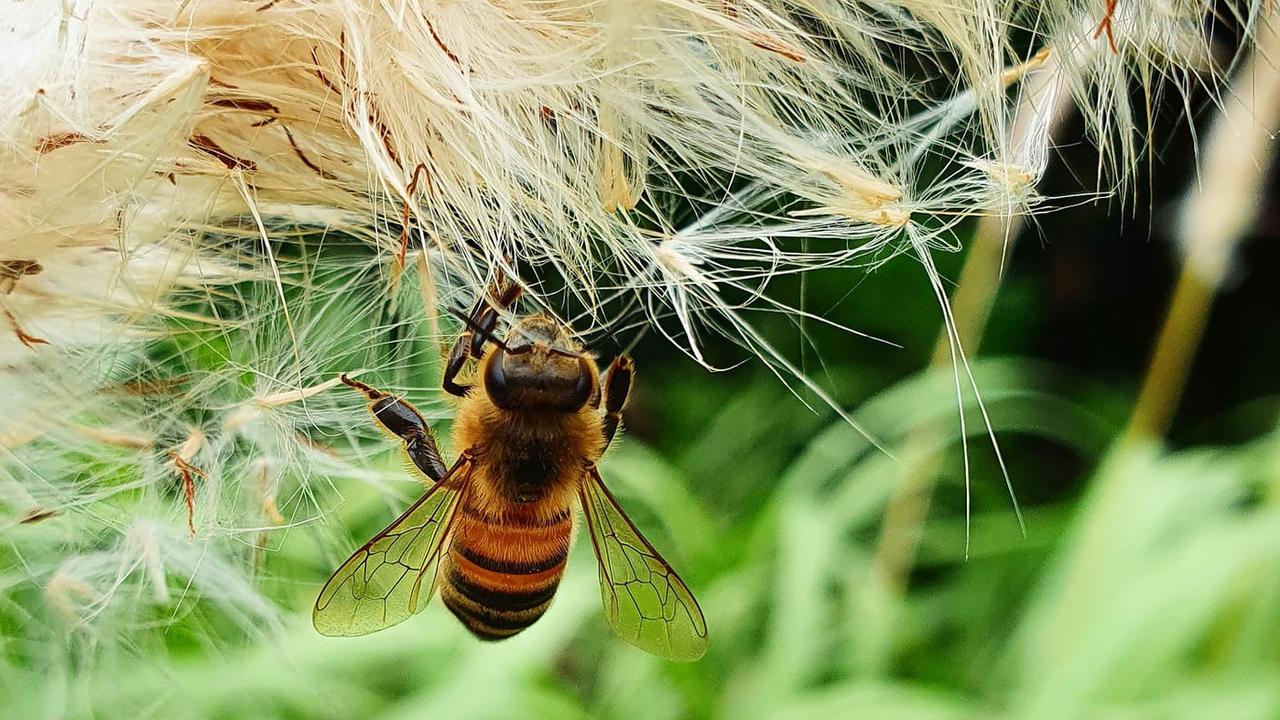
x=1216 y=215
x=1042 y=108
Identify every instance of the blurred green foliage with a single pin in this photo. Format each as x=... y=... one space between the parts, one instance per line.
x=1145 y=586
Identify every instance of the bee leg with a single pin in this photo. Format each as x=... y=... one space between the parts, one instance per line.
x=485 y=315
x=403 y=420
x=457 y=358
x=470 y=343
x=617 y=388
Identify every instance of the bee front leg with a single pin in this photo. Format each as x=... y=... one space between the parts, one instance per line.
x=480 y=325
x=457 y=358
x=617 y=388
x=405 y=422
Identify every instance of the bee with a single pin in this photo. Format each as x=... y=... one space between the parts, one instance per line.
x=493 y=530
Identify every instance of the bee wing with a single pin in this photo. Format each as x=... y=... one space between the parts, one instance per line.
x=647 y=604
x=382 y=583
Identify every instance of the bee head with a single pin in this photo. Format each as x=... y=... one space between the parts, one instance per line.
x=539 y=368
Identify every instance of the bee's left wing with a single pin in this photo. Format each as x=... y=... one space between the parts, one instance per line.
x=383 y=582
x=647 y=604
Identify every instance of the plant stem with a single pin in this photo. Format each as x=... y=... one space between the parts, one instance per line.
x=1215 y=217
x=1171 y=361
x=1044 y=99
x=971 y=306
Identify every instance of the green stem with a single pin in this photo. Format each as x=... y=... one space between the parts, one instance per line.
x=971 y=308
x=1171 y=361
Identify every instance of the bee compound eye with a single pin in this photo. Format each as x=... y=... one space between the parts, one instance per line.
x=582 y=390
x=495 y=379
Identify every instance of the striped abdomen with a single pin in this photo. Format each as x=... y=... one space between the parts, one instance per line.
x=501 y=573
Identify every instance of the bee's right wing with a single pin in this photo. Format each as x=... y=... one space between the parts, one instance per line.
x=646 y=603
x=383 y=582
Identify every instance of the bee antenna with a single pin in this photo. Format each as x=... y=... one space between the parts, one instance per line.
x=475 y=328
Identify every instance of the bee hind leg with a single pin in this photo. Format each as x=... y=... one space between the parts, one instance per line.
x=403 y=420
x=617 y=388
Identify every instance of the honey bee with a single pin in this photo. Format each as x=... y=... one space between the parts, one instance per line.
x=493 y=530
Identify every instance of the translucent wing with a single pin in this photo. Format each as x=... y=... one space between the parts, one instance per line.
x=393 y=575
x=647 y=604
